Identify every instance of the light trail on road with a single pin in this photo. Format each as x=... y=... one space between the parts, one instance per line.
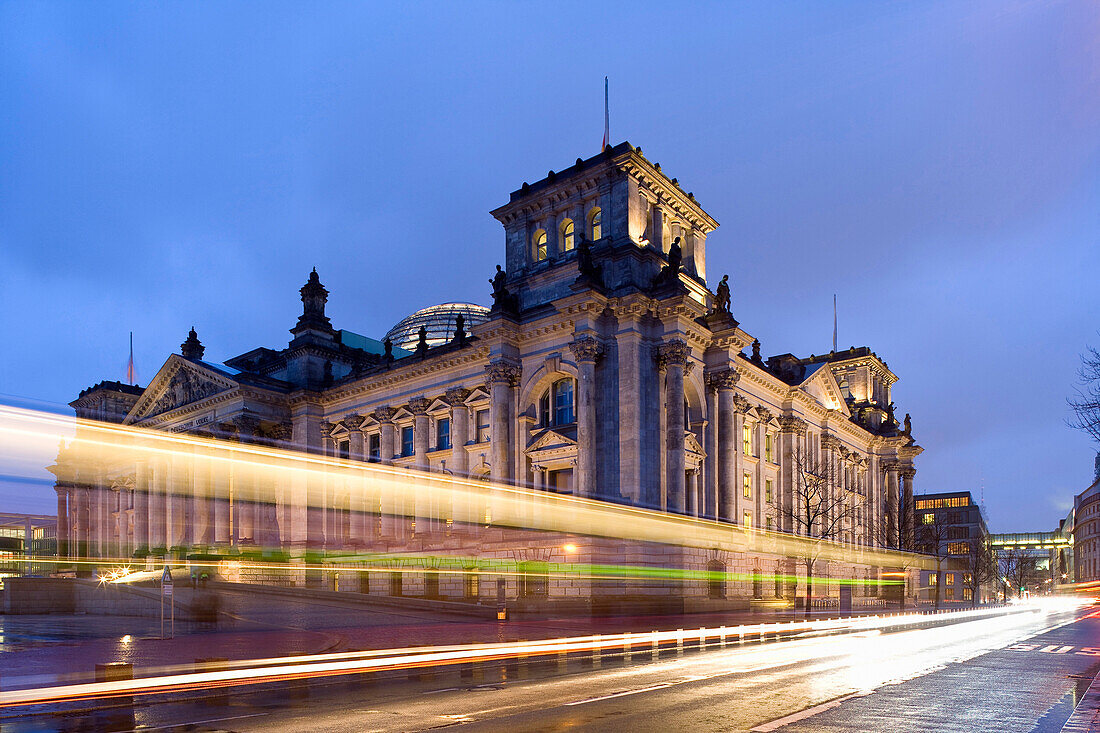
x=260 y=671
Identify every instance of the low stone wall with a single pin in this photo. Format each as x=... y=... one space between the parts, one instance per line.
x=76 y=595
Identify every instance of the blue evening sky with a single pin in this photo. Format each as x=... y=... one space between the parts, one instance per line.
x=164 y=165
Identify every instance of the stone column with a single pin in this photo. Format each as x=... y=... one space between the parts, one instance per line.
x=890 y=469
x=62 y=521
x=791 y=432
x=674 y=355
x=503 y=377
x=657 y=235
x=905 y=521
x=384 y=416
x=357 y=493
x=710 y=462
x=635 y=483
x=418 y=406
x=460 y=429
x=723 y=383
x=329 y=488
x=586 y=350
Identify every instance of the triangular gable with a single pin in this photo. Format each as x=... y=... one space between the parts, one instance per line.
x=179 y=382
x=550 y=438
x=823 y=387
x=693 y=445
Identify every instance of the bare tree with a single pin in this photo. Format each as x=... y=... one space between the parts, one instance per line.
x=1018 y=569
x=981 y=568
x=819 y=508
x=1086 y=405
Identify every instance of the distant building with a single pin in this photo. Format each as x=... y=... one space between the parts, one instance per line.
x=951 y=525
x=1086 y=531
x=23 y=537
x=606 y=368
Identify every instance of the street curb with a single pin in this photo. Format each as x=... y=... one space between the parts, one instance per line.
x=1086 y=716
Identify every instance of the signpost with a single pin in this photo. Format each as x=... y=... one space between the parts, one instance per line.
x=166 y=588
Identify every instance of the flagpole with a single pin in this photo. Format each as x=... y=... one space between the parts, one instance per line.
x=606 y=118
x=834 y=323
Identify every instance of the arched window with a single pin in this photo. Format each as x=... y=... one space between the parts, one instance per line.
x=595 y=225
x=845 y=389
x=567 y=235
x=556 y=404
x=540 y=245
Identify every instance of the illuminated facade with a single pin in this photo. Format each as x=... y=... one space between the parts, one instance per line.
x=606 y=368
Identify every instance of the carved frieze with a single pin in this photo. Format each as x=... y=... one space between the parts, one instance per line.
x=183 y=388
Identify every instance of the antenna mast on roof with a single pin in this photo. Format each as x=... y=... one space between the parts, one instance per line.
x=131 y=373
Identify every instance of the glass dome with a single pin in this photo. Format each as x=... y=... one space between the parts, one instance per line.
x=439 y=320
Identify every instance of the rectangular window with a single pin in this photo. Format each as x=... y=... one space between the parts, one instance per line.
x=933 y=580
x=407 y=441
x=768 y=523
x=482 y=418
x=767 y=490
x=563 y=402
x=968 y=594
x=374 y=454
x=343 y=449
x=748 y=486
x=927 y=518
x=768 y=453
x=746 y=520
x=443 y=433
x=949 y=593
x=949 y=578
x=746 y=439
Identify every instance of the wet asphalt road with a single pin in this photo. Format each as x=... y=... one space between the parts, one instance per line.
x=1016 y=673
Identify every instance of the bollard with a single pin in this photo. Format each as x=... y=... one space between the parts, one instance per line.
x=656 y=648
x=679 y=642
x=722 y=637
x=702 y=639
x=597 y=654
x=626 y=648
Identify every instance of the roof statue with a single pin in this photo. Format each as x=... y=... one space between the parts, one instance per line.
x=722 y=296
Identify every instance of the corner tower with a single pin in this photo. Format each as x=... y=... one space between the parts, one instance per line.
x=610 y=221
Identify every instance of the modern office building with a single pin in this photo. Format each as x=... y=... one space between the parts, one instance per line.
x=951 y=526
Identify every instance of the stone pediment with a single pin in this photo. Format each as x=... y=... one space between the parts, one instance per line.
x=692 y=445
x=550 y=439
x=179 y=382
x=823 y=387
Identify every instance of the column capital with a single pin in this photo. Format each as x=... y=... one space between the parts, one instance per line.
x=907 y=472
x=353 y=422
x=385 y=414
x=327 y=428
x=503 y=372
x=419 y=405
x=673 y=353
x=740 y=404
x=830 y=441
x=723 y=380
x=888 y=466
x=764 y=414
x=456 y=396
x=281 y=431
x=586 y=348
x=792 y=424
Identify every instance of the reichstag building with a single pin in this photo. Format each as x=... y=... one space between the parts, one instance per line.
x=607 y=365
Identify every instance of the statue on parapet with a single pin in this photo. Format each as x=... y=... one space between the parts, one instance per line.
x=670 y=273
x=722 y=296
x=502 y=299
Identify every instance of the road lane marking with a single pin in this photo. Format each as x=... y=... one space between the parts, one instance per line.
x=203 y=722
x=803 y=714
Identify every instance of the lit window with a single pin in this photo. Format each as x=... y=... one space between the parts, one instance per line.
x=541 y=251
x=567 y=235
x=407 y=441
x=927 y=518
x=443 y=433
x=482 y=419
x=767 y=490
x=748 y=486
x=746 y=520
x=563 y=402
x=768 y=447
x=596 y=226
x=746 y=439
x=949 y=578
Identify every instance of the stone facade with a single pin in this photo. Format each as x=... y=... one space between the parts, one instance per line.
x=606 y=369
